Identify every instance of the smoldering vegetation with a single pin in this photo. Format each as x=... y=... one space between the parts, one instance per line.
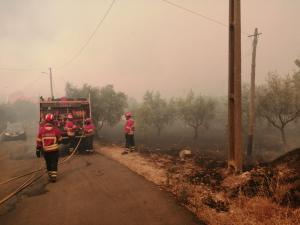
x=194 y=121
x=165 y=127
x=198 y=123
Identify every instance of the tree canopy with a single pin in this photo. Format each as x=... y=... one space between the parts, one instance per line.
x=155 y=111
x=278 y=102
x=107 y=105
x=196 y=111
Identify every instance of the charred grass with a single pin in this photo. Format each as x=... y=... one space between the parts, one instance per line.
x=268 y=193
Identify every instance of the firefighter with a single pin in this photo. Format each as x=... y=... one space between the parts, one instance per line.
x=89 y=131
x=70 y=127
x=48 y=139
x=129 y=133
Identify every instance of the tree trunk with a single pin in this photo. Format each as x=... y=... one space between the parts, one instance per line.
x=283 y=138
x=100 y=125
x=98 y=128
x=250 y=145
x=196 y=133
x=158 y=131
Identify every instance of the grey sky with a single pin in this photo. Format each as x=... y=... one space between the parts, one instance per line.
x=142 y=45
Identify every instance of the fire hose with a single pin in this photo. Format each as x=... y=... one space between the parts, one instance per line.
x=33 y=178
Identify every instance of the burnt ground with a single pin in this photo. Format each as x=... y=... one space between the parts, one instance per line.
x=278 y=180
x=91 y=189
x=267 y=193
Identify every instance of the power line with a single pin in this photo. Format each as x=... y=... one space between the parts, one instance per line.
x=77 y=54
x=195 y=13
x=198 y=14
x=101 y=21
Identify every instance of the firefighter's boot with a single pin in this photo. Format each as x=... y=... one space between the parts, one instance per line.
x=52 y=176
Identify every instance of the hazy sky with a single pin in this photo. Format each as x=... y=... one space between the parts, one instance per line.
x=142 y=45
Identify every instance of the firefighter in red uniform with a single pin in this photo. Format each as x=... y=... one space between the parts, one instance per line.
x=129 y=133
x=70 y=127
x=47 y=141
x=89 y=131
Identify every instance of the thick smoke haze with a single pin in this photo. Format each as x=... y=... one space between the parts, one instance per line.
x=142 y=44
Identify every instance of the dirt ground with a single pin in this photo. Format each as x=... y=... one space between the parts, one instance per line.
x=91 y=189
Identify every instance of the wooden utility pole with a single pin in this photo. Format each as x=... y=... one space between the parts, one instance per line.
x=234 y=88
x=251 y=121
x=51 y=83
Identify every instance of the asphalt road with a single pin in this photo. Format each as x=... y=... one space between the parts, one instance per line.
x=93 y=190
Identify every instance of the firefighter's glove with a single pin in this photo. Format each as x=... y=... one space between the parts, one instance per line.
x=38 y=153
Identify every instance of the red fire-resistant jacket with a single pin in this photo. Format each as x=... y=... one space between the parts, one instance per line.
x=129 y=127
x=48 y=138
x=89 y=129
x=70 y=128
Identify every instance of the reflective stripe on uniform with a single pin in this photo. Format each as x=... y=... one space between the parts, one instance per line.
x=51 y=148
x=54 y=173
x=54 y=139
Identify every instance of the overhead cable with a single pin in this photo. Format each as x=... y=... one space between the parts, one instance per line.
x=79 y=52
x=199 y=14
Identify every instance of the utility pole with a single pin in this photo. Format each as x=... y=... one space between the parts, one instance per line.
x=51 y=83
x=234 y=88
x=251 y=121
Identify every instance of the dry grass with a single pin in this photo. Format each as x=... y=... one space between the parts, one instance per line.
x=137 y=164
x=210 y=205
x=254 y=211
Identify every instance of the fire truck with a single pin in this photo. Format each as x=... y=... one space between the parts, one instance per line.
x=80 y=108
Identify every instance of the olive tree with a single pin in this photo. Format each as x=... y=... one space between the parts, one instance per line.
x=107 y=105
x=196 y=111
x=111 y=106
x=155 y=112
x=278 y=103
x=296 y=77
x=3 y=116
x=297 y=62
